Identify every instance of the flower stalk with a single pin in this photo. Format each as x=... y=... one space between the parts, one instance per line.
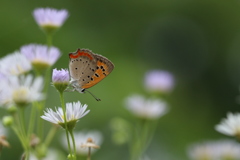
x=65 y=120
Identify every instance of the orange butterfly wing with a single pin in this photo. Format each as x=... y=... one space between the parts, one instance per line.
x=104 y=68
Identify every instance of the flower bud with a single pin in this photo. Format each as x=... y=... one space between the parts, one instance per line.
x=7 y=121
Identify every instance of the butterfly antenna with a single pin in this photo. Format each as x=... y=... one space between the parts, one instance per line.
x=97 y=99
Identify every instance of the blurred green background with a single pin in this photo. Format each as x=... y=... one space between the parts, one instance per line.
x=198 y=41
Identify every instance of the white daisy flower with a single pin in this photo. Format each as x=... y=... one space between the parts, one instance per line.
x=215 y=150
x=14 y=64
x=146 y=108
x=50 y=17
x=74 y=111
x=82 y=144
x=2 y=76
x=230 y=126
x=21 y=90
x=159 y=81
x=41 y=56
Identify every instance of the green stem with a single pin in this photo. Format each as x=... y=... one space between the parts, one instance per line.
x=47 y=80
x=40 y=123
x=32 y=120
x=25 y=137
x=142 y=139
x=135 y=143
x=17 y=128
x=22 y=122
x=49 y=40
x=150 y=134
x=50 y=135
x=89 y=153
x=41 y=105
x=20 y=137
x=65 y=120
x=73 y=142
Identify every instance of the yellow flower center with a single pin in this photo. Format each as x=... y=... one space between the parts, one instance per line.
x=21 y=96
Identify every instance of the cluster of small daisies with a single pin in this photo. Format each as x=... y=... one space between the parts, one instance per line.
x=156 y=82
x=17 y=86
x=24 y=82
x=221 y=149
x=147 y=110
x=215 y=150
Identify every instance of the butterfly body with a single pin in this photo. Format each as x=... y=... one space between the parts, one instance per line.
x=87 y=69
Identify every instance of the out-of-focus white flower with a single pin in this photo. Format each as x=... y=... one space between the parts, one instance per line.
x=145 y=157
x=14 y=64
x=215 y=150
x=146 y=108
x=50 y=17
x=230 y=126
x=74 y=111
x=2 y=76
x=159 y=81
x=41 y=56
x=3 y=130
x=81 y=139
x=21 y=90
x=51 y=155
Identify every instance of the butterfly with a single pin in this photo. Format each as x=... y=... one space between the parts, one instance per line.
x=87 y=69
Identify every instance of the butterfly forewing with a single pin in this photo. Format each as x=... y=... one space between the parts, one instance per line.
x=82 y=66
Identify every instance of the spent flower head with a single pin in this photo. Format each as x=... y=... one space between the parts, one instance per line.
x=230 y=126
x=41 y=56
x=215 y=150
x=84 y=140
x=50 y=19
x=3 y=139
x=14 y=64
x=3 y=142
x=146 y=108
x=159 y=81
x=74 y=111
x=21 y=91
x=90 y=144
x=60 y=79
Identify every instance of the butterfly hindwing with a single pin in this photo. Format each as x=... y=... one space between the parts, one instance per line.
x=82 y=66
x=103 y=68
